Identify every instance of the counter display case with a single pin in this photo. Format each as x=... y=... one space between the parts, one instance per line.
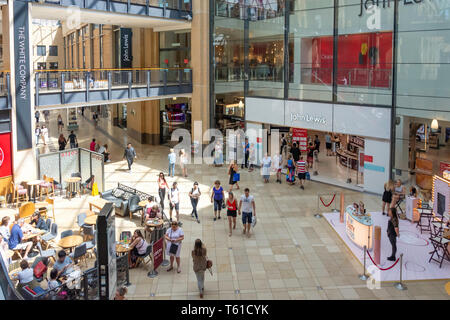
x=359 y=227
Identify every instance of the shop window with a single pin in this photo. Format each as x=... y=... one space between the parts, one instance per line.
x=53 y=51
x=53 y=66
x=41 y=65
x=41 y=51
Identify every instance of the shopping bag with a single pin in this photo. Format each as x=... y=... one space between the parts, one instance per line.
x=95 y=189
x=307 y=176
x=236 y=177
x=253 y=221
x=284 y=171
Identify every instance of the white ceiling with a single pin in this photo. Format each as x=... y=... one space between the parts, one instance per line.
x=80 y=16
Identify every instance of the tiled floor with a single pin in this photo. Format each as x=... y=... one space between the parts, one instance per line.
x=291 y=255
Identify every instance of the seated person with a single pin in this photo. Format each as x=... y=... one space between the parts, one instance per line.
x=53 y=282
x=153 y=212
x=63 y=264
x=104 y=150
x=4 y=251
x=15 y=241
x=138 y=247
x=38 y=222
x=4 y=228
x=413 y=192
x=399 y=193
x=120 y=293
x=25 y=276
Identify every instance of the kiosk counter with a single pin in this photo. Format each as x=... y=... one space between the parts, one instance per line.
x=359 y=227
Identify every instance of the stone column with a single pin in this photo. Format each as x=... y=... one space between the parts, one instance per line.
x=200 y=61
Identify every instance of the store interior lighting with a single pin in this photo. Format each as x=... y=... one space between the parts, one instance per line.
x=434 y=124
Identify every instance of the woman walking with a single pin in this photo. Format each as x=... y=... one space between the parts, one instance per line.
x=265 y=170
x=138 y=247
x=393 y=232
x=174 y=237
x=62 y=142
x=195 y=196
x=231 y=211
x=162 y=187
x=44 y=132
x=277 y=165
x=290 y=174
x=217 y=197
x=60 y=123
x=174 y=201
x=232 y=170
x=387 y=196
x=183 y=163
x=310 y=154
x=199 y=260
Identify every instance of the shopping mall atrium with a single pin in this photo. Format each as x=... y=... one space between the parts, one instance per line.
x=223 y=150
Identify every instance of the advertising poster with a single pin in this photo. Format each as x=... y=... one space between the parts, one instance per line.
x=300 y=136
x=158 y=253
x=5 y=155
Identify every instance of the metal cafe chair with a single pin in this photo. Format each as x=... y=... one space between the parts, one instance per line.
x=440 y=246
x=424 y=222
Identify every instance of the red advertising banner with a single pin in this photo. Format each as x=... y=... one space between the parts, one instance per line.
x=300 y=136
x=444 y=166
x=368 y=158
x=158 y=253
x=5 y=155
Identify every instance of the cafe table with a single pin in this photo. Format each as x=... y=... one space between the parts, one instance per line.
x=33 y=188
x=29 y=232
x=122 y=249
x=154 y=223
x=73 y=184
x=98 y=203
x=91 y=220
x=70 y=242
x=143 y=204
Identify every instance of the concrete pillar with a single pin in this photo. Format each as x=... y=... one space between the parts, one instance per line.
x=200 y=62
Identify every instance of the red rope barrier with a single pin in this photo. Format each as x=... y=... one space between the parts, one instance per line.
x=326 y=206
x=382 y=269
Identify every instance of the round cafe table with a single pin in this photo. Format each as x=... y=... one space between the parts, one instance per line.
x=70 y=242
x=122 y=249
x=33 y=187
x=73 y=185
x=154 y=223
x=91 y=220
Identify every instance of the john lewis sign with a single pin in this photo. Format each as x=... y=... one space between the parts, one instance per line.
x=368 y=4
x=309 y=115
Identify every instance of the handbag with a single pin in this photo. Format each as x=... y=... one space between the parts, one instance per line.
x=209 y=265
x=236 y=177
x=173 y=248
x=39 y=270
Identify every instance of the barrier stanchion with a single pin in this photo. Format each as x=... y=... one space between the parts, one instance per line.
x=318 y=215
x=319 y=198
x=342 y=209
x=363 y=276
x=400 y=285
x=153 y=273
x=165 y=262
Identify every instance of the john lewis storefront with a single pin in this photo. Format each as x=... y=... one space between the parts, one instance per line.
x=372 y=68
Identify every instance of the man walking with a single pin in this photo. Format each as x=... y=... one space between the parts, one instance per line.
x=295 y=152
x=73 y=140
x=37 y=115
x=301 y=171
x=130 y=155
x=246 y=153
x=247 y=207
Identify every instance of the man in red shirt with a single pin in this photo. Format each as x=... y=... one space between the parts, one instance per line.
x=301 y=168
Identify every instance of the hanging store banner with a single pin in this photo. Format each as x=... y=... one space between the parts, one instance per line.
x=158 y=253
x=126 y=57
x=300 y=136
x=22 y=75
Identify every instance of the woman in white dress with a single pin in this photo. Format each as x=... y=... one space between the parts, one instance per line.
x=44 y=132
x=183 y=163
x=266 y=164
x=174 y=237
x=278 y=165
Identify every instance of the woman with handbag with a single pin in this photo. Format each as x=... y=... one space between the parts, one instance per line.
x=231 y=211
x=174 y=237
x=138 y=247
x=233 y=173
x=290 y=173
x=200 y=264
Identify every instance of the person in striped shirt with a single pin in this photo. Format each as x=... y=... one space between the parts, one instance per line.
x=301 y=167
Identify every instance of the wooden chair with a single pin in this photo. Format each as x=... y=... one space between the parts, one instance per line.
x=26 y=210
x=51 y=202
x=5 y=189
x=440 y=246
x=147 y=255
x=424 y=222
x=20 y=194
x=47 y=187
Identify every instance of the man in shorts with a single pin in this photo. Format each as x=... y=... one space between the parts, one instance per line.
x=301 y=166
x=247 y=207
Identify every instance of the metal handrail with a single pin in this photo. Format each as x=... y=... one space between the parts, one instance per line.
x=108 y=69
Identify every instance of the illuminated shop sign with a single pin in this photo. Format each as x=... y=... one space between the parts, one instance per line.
x=368 y=4
x=308 y=118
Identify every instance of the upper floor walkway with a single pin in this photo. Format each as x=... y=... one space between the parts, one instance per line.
x=55 y=89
